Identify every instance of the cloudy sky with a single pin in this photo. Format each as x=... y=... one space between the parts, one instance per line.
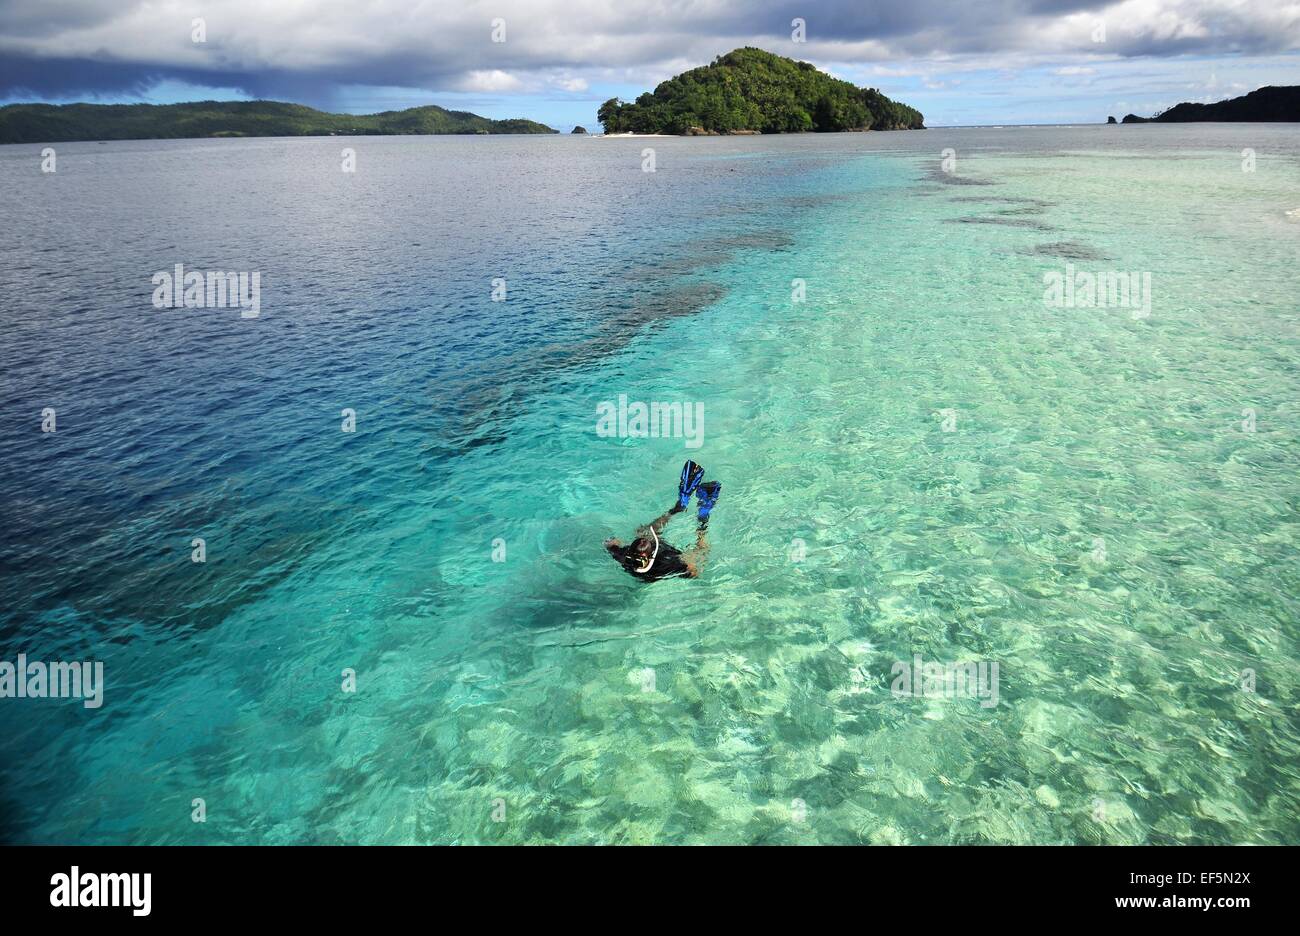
x=958 y=61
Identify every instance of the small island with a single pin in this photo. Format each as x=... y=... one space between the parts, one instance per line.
x=578 y=130
x=1271 y=104
x=752 y=91
x=58 y=123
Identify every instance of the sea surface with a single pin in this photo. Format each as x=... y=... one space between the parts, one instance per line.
x=920 y=456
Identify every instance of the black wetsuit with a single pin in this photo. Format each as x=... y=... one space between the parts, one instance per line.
x=668 y=562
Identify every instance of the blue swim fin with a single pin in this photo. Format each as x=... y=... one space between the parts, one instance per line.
x=707 y=495
x=692 y=474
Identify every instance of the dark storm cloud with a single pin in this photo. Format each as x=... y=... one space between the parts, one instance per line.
x=68 y=78
x=62 y=48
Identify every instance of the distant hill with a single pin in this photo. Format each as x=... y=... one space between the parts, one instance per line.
x=753 y=91
x=1266 y=105
x=49 y=123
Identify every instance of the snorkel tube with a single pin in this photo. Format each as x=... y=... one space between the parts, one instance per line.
x=653 y=555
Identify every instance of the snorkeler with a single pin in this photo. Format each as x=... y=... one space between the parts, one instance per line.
x=651 y=559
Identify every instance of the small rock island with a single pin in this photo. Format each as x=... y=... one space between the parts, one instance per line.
x=752 y=91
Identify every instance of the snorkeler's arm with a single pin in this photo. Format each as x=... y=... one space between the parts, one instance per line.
x=661 y=521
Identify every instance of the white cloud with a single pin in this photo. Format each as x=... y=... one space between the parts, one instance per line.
x=494 y=80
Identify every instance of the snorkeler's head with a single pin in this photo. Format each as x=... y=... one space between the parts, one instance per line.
x=643 y=551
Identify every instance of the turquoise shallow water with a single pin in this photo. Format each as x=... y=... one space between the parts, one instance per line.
x=1097 y=522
